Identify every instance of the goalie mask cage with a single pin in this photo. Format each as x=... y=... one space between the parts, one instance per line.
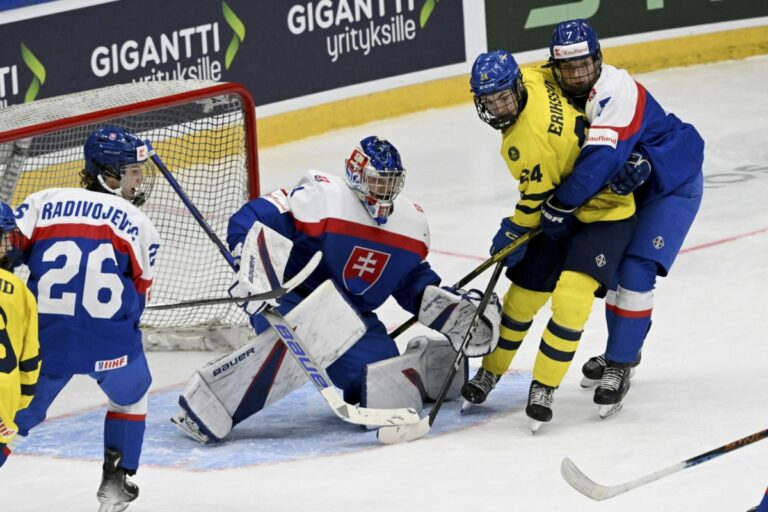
x=205 y=132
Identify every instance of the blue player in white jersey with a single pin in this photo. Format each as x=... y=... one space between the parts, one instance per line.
x=626 y=122
x=91 y=256
x=374 y=244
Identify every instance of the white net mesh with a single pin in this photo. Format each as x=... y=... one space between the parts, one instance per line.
x=200 y=131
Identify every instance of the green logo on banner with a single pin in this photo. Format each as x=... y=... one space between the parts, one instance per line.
x=238 y=28
x=38 y=73
x=426 y=12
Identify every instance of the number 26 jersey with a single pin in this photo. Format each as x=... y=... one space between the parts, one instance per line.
x=91 y=259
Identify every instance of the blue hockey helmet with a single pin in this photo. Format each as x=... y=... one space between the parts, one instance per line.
x=374 y=171
x=10 y=238
x=497 y=85
x=119 y=161
x=574 y=52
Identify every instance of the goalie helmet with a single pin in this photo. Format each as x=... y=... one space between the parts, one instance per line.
x=374 y=171
x=118 y=161
x=10 y=238
x=497 y=85
x=574 y=52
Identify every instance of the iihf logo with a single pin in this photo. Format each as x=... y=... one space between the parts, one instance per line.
x=363 y=268
x=658 y=242
x=600 y=260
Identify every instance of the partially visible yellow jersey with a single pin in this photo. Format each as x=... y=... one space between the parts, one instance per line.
x=541 y=147
x=19 y=351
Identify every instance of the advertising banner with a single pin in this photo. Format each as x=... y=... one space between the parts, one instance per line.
x=527 y=24
x=279 y=49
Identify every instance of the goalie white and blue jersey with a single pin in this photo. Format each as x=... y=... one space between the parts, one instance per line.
x=369 y=262
x=90 y=257
x=624 y=117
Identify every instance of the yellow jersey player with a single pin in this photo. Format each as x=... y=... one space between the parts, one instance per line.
x=541 y=136
x=19 y=345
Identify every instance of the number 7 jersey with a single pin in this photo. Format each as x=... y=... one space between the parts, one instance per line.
x=91 y=260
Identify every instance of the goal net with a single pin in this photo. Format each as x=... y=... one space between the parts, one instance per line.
x=205 y=133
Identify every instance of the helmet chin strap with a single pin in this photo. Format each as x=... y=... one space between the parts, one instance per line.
x=117 y=191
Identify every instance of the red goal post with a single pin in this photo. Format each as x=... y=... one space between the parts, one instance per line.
x=205 y=133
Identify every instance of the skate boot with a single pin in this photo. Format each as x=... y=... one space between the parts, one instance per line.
x=613 y=386
x=116 y=491
x=594 y=368
x=539 y=409
x=476 y=389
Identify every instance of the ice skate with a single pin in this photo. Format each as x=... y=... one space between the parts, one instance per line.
x=612 y=389
x=593 y=369
x=189 y=427
x=539 y=409
x=476 y=390
x=116 y=491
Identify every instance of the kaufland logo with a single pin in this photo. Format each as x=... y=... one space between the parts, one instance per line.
x=571 y=50
x=188 y=53
x=10 y=82
x=359 y=26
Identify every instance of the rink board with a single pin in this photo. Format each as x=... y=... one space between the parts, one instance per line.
x=299 y=427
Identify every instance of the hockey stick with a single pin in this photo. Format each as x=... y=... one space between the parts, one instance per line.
x=497 y=257
x=591 y=489
x=405 y=433
x=315 y=373
x=289 y=285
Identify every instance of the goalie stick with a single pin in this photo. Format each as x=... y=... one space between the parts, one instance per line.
x=411 y=432
x=345 y=411
x=272 y=294
x=598 y=492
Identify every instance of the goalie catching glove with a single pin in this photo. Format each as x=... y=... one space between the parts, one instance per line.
x=263 y=257
x=451 y=312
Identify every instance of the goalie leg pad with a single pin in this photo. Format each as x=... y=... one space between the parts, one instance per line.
x=417 y=375
x=260 y=373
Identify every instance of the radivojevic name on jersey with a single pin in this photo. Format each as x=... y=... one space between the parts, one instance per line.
x=90 y=210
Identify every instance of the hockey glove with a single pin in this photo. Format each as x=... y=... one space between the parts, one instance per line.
x=557 y=219
x=634 y=173
x=508 y=233
x=451 y=312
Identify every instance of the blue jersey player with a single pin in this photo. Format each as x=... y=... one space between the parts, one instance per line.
x=374 y=244
x=91 y=254
x=626 y=122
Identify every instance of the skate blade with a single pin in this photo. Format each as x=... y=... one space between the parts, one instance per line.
x=587 y=383
x=609 y=410
x=181 y=423
x=534 y=425
x=113 y=507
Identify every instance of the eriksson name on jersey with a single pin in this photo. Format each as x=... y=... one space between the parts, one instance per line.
x=89 y=209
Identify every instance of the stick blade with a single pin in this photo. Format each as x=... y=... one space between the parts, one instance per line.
x=403 y=433
x=582 y=483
